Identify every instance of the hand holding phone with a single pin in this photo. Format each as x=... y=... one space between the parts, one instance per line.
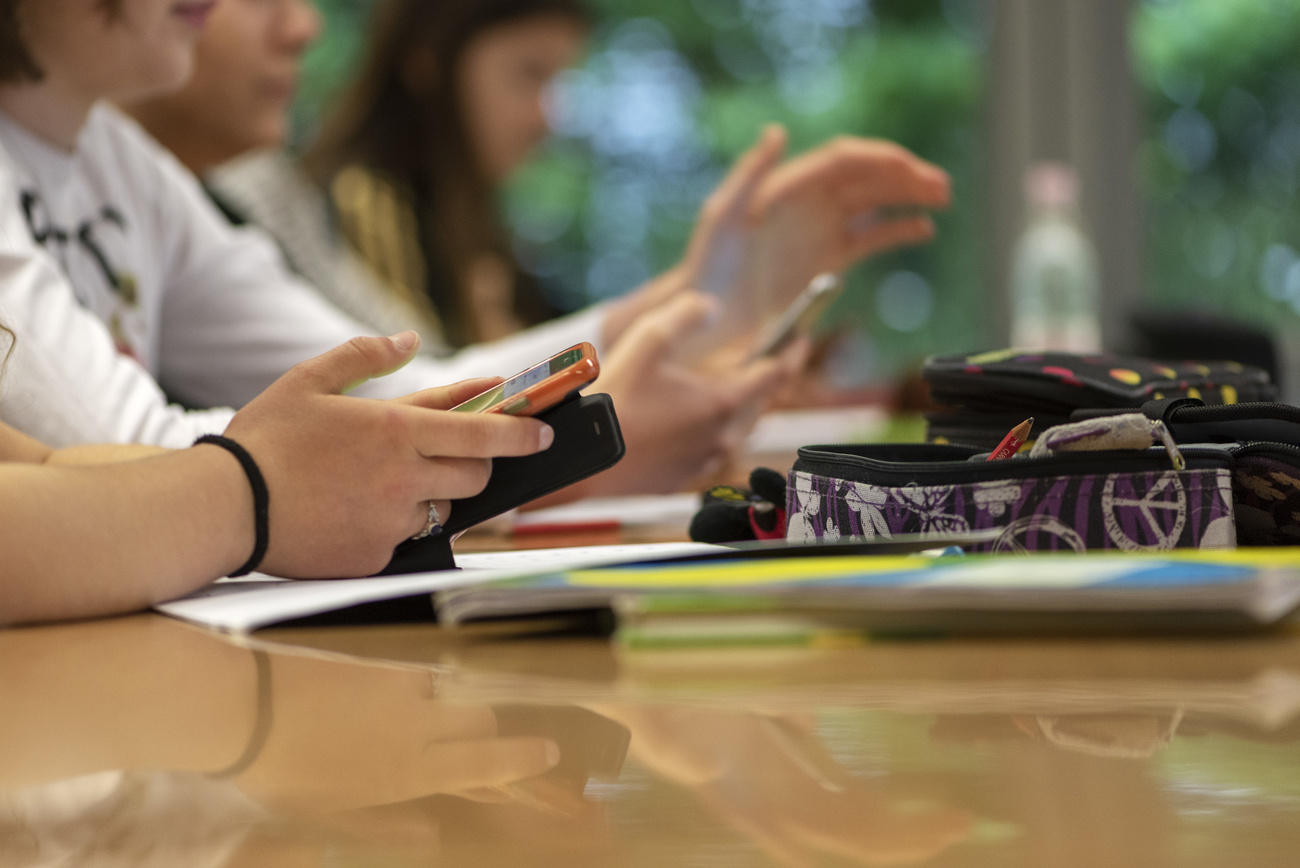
x=799 y=318
x=540 y=387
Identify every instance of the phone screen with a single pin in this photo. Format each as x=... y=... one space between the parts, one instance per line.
x=518 y=383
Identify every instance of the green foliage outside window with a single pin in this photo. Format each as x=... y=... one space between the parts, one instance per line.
x=1221 y=161
x=672 y=92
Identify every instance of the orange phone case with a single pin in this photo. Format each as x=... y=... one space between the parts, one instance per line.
x=554 y=389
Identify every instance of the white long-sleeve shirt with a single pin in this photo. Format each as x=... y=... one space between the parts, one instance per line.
x=117 y=275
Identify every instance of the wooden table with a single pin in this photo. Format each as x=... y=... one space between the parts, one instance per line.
x=400 y=745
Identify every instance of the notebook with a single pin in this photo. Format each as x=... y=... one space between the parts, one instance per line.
x=721 y=599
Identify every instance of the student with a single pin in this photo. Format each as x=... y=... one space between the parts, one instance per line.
x=95 y=530
x=446 y=106
x=116 y=271
x=472 y=80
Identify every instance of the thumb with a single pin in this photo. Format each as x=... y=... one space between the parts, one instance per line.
x=650 y=338
x=351 y=364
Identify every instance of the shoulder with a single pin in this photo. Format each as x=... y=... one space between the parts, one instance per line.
x=110 y=134
x=122 y=159
x=263 y=175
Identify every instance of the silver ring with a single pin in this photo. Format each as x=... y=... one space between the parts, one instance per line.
x=432 y=523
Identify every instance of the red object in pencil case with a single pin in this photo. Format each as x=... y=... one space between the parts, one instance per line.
x=1011 y=443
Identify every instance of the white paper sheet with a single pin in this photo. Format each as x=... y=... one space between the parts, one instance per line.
x=247 y=604
x=637 y=511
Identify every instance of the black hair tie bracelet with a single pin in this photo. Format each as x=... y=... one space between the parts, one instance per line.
x=261 y=499
x=261 y=726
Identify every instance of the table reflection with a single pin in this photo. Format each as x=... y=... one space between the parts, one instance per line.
x=142 y=741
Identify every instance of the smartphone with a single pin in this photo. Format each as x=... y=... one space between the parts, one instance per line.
x=591 y=745
x=540 y=387
x=799 y=318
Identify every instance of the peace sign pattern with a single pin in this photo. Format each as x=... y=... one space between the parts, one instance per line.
x=1146 y=511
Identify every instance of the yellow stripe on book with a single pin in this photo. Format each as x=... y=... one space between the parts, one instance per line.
x=766 y=571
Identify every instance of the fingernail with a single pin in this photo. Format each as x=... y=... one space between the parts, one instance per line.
x=545 y=438
x=552 y=753
x=405 y=341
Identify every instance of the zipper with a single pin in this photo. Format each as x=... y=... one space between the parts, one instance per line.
x=882 y=472
x=1261 y=447
x=1245 y=412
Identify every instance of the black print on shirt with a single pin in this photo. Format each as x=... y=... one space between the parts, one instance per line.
x=56 y=239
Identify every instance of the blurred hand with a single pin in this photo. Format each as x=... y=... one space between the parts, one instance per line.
x=349 y=478
x=775 y=781
x=347 y=736
x=768 y=229
x=680 y=420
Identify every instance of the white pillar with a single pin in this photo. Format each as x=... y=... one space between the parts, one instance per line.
x=1061 y=87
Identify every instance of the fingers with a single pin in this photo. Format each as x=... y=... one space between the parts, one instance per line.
x=750 y=391
x=421 y=513
x=861 y=173
x=794 y=358
x=455 y=477
x=446 y=397
x=455 y=766
x=868 y=237
x=734 y=197
x=476 y=435
x=738 y=188
x=759 y=379
x=356 y=361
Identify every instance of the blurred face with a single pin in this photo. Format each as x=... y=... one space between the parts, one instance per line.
x=245 y=75
x=505 y=76
x=87 y=52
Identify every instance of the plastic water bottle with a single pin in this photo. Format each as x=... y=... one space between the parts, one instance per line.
x=1054 y=285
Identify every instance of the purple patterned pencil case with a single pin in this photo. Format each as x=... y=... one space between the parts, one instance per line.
x=1130 y=500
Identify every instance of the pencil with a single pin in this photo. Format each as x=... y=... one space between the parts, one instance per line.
x=1011 y=443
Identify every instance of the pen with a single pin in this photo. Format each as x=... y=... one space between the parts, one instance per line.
x=1011 y=443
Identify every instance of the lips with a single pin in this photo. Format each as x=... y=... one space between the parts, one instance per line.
x=280 y=89
x=194 y=12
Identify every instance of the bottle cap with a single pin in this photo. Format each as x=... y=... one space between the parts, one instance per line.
x=1051 y=185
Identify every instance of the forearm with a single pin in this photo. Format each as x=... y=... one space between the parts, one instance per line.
x=123 y=693
x=103 y=453
x=86 y=541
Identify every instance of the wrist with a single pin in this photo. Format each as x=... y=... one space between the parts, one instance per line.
x=232 y=516
x=261 y=499
x=261 y=722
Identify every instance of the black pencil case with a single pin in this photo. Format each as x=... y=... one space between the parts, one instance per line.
x=1264 y=441
x=1127 y=500
x=980 y=397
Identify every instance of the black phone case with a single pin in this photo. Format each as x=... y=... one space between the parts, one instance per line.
x=587 y=441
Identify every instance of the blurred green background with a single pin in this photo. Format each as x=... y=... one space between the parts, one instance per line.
x=672 y=90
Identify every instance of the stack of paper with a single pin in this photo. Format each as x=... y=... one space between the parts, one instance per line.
x=698 y=593
x=242 y=605
x=789 y=598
